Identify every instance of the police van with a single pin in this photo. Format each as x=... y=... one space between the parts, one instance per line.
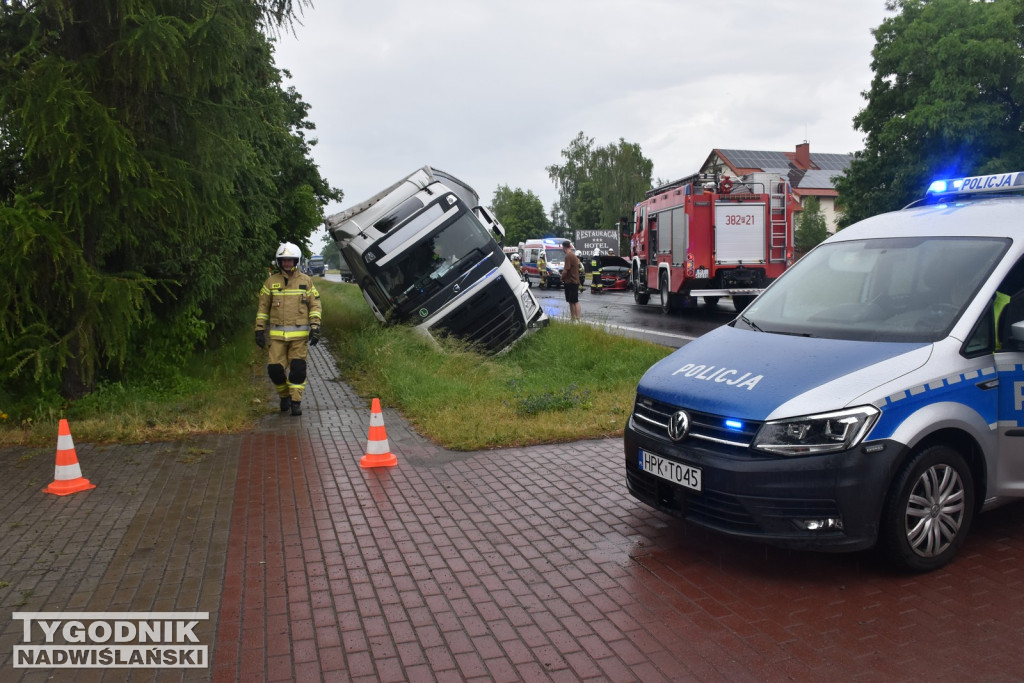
x=872 y=396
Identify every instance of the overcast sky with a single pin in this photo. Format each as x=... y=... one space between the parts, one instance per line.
x=492 y=91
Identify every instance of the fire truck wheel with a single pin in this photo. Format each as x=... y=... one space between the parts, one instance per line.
x=711 y=301
x=666 y=295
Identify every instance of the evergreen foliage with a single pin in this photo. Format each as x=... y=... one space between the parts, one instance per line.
x=150 y=164
x=945 y=101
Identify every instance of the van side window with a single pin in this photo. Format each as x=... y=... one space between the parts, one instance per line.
x=1008 y=307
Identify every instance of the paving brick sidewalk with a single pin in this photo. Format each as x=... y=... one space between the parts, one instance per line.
x=524 y=564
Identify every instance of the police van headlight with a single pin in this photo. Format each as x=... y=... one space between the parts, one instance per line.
x=814 y=434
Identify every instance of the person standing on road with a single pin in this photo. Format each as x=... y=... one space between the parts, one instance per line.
x=542 y=269
x=290 y=307
x=596 y=273
x=571 y=281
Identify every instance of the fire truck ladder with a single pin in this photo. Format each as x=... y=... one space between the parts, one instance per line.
x=778 y=229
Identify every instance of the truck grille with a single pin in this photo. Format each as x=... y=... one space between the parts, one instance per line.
x=490 y=319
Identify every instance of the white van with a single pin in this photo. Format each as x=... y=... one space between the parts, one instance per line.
x=874 y=394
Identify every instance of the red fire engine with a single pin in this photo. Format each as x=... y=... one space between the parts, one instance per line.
x=711 y=236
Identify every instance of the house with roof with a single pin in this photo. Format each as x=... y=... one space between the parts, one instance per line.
x=810 y=174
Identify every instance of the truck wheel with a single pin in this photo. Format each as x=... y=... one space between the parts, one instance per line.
x=741 y=302
x=711 y=301
x=640 y=297
x=929 y=510
x=666 y=301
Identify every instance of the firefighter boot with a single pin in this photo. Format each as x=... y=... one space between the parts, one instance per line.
x=296 y=408
x=286 y=403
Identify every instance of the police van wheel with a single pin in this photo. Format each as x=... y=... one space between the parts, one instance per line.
x=929 y=510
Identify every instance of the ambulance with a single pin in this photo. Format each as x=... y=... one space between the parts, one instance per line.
x=872 y=396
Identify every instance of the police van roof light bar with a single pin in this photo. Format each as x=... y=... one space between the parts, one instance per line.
x=997 y=182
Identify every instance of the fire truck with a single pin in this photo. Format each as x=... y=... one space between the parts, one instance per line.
x=710 y=236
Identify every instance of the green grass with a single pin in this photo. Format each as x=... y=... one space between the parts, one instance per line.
x=563 y=383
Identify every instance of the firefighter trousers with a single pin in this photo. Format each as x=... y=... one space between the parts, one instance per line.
x=288 y=356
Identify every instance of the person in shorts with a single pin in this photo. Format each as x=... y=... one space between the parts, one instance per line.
x=571 y=280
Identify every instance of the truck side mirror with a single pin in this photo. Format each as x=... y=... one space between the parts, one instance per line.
x=492 y=224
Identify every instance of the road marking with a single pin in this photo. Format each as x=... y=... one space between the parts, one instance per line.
x=639 y=330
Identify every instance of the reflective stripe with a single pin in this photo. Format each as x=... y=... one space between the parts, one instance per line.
x=66 y=472
x=289 y=334
x=64 y=442
x=288 y=328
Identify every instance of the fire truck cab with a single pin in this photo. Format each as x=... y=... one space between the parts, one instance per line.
x=711 y=236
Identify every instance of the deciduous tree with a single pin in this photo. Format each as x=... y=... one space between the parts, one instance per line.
x=521 y=213
x=945 y=101
x=811 y=229
x=598 y=186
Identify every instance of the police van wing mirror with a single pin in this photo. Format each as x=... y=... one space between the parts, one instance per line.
x=1017 y=334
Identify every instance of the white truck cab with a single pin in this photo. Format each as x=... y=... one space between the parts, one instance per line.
x=425 y=253
x=873 y=394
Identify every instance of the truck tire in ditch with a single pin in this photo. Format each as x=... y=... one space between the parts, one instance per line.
x=741 y=302
x=928 y=511
x=666 y=295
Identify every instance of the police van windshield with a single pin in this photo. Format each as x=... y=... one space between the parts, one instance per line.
x=893 y=289
x=454 y=251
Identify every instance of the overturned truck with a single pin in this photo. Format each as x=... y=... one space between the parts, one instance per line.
x=425 y=253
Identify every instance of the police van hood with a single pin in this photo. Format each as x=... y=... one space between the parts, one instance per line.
x=757 y=375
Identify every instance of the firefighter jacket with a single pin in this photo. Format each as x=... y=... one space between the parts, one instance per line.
x=288 y=305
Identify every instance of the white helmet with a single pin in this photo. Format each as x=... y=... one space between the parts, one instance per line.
x=288 y=250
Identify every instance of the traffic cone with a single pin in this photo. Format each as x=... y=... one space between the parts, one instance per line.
x=378 y=453
x=67 y=474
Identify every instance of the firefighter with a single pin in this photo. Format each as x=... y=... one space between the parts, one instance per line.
x=289 y=309
x=596 y=274
x=542 y=269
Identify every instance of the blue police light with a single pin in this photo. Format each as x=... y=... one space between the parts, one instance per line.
x=734 y=424
x=997 y=182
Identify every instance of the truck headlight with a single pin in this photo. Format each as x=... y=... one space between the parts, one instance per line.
x=813 y=434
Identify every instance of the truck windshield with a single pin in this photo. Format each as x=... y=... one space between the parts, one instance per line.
x=553 y=256
x=893 y=289
x=446 y=254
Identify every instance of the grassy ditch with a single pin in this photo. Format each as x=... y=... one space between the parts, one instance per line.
x=567 y=382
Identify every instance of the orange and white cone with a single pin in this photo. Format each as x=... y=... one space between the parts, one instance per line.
x=67 y=474
x=378 y=453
